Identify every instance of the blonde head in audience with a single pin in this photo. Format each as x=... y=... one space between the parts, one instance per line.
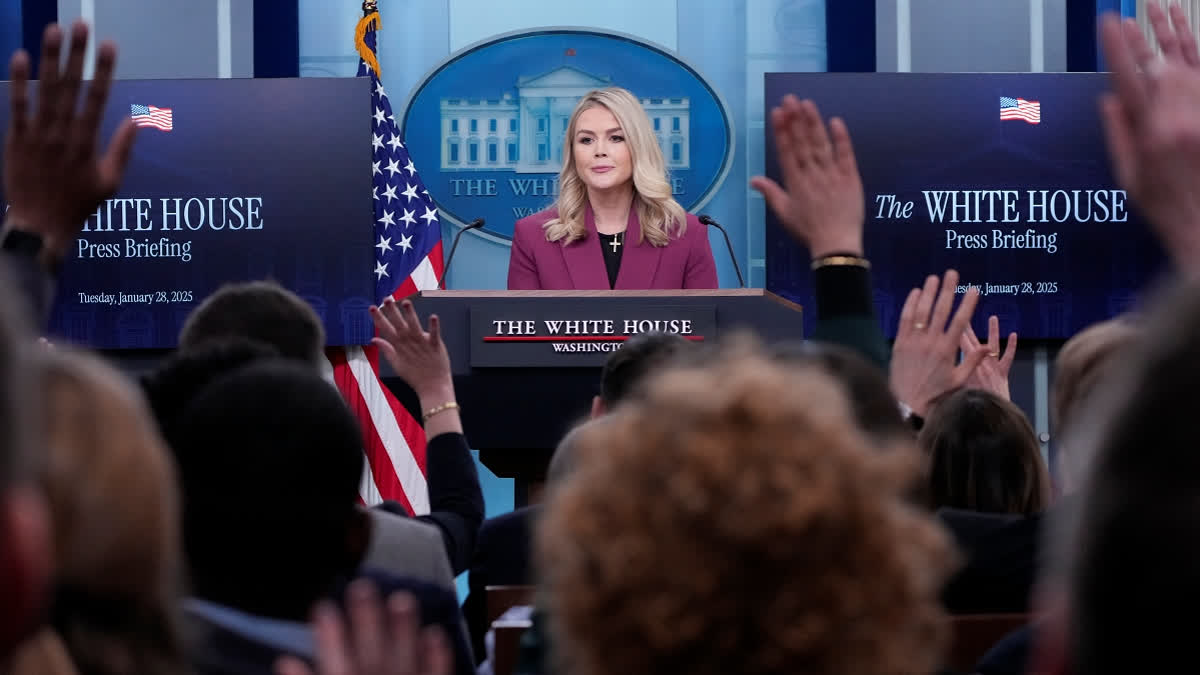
x=734 y=520
x=114 y=508
x=1085 y=364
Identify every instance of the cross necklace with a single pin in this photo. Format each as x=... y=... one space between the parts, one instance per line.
x=615 y=242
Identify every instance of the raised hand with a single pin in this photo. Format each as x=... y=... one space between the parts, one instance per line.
x=923 y=365
x=821 y=201
x=992 y=372
x=419 y=357
x=1153 y=130
x=374 y=644
x=54 y=177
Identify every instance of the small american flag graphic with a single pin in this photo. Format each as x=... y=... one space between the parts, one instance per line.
x=151 y=116
x=1020 y=109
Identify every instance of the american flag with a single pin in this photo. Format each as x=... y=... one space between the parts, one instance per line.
x=151 y=116
x=1020 y=109
x=408 y=258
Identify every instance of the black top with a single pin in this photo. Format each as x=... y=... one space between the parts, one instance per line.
x=612 y=255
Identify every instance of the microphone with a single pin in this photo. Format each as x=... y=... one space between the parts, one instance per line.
x=707 y=220
x=473 y=225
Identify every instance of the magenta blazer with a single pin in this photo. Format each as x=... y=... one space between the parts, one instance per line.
x=537 y=264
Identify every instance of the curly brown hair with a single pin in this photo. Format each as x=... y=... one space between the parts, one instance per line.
x=734 y=521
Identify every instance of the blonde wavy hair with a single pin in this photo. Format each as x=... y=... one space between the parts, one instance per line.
x=660 y=215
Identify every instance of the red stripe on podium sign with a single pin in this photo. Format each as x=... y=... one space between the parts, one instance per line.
x=572 y=338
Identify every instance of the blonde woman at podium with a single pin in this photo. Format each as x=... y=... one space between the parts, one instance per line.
x=614 y=224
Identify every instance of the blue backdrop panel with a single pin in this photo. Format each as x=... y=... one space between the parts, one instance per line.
x=257 y=179
x=1047 y=266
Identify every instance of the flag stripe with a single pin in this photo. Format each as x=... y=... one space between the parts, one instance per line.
x=386 y=428
x=383 y=415
x=383 y=481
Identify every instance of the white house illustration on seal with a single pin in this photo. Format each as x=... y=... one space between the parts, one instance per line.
x=525 y=134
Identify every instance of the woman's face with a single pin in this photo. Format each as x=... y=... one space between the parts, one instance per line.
x=602 y=157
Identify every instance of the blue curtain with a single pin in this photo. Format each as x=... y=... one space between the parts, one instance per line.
x=10 y=30
x=850 y=36
x=34 y=15
x=277 y=38
x=1083 y=48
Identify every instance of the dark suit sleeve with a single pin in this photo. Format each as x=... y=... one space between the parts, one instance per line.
x=455 y=498
x=846 y=312
x=33 y=282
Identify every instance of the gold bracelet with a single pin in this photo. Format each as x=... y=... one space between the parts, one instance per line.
x=840 y=261
x=448 y=405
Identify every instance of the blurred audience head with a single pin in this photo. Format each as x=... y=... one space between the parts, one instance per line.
x=262 y=311
x=172 y=386
x=982 y=455
x=24 y=528
x=112 y=492
x=1086 y=363
x=872 y=403
x=1133 y=551
x=627 y=367
x=270 y=460
x=566 y=455
x=736 y=520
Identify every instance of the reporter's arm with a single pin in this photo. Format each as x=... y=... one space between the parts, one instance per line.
x=846 y=310
x=455 y=497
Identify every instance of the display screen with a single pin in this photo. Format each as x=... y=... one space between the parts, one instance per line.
x=230 y=180
x=1003 y=177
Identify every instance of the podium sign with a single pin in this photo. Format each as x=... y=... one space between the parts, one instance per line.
x=559 y=333
x=526 y=364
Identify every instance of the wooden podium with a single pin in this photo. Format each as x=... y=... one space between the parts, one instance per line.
x=527 y=363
